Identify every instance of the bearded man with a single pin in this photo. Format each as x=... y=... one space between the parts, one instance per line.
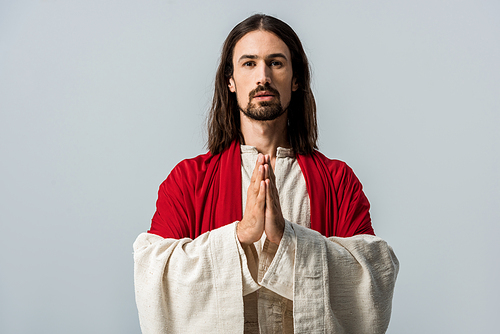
x=263 y=234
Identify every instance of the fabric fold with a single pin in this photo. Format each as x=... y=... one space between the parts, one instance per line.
x=189 y=286
x=196 y=280
x=342 y=285
x=279 y=276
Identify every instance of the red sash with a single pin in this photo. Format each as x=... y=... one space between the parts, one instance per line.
x=204 y=193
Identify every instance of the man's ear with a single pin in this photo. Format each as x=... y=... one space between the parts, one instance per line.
x=231 y=85
x=295 y=85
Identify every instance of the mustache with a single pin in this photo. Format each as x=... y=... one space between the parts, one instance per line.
x=261 y=88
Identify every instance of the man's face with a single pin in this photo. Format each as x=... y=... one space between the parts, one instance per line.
x=262 y=76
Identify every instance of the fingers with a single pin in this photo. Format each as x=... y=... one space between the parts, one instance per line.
x=272 y=197
x=274 y=222
x=269 y=200
x=259 y=178
x=261 y=197
x=251 y=226
x=258 y=175
x=262 y=171
x=270 y=173
x=260 y=161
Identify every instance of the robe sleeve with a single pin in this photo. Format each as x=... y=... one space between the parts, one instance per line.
x=341 y=285
x=278 y=266
x=189 y=286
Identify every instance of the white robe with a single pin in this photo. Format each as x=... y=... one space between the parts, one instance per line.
x=338 y=285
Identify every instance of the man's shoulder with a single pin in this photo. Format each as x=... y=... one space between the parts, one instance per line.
x=334 y=165
x=195 y=162
x=192 y=165
x=338 y=170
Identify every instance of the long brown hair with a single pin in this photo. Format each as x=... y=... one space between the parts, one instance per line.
x=224 y=116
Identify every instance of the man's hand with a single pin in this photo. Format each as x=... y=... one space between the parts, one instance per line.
x=251 y=227
x=274 y=221
x=262 y=210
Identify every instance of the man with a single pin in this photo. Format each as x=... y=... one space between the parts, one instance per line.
x=302 y=256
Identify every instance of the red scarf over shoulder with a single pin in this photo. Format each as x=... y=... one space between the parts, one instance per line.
x=204 y=193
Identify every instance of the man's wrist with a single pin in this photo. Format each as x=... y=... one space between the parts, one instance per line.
x=240 y=234
x=280 y=229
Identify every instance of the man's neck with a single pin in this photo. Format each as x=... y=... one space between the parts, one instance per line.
x=265 y=136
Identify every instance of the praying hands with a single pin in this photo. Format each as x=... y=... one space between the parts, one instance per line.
x=262 y=211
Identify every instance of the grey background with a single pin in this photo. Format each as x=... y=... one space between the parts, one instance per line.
x=100 y=99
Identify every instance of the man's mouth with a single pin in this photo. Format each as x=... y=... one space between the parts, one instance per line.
x=263 y=96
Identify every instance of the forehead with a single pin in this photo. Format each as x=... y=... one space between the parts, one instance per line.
x=260 y=43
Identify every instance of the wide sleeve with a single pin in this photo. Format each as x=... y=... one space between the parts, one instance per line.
x=338 y=285
x=342 y=285
x=277 y=265
x=189 y=286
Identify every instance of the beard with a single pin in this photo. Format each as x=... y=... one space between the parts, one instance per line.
x=264 y=110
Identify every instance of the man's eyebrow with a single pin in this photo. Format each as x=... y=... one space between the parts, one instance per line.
x=272 y=55
x=276 y=55
x=247 y=57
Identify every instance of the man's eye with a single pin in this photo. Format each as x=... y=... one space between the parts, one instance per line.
x=248 y=63
x=276 y=63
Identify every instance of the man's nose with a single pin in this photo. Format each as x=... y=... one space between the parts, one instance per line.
x=263 y=75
